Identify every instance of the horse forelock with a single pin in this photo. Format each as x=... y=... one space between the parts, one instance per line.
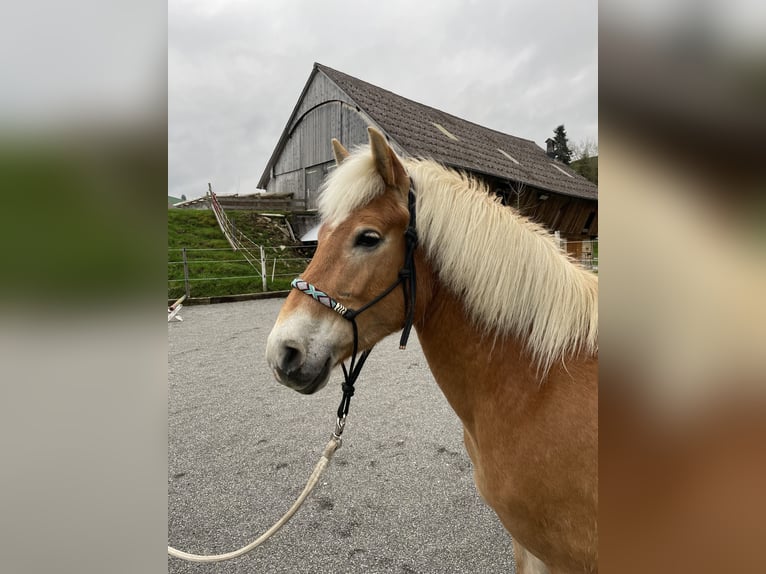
x=350 y=186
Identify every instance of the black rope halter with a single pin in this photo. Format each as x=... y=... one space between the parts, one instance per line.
x=406 y=278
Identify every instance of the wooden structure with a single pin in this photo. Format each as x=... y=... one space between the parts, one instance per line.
x=254 y=201
x=336 y=105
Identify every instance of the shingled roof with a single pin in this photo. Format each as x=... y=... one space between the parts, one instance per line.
x=420 y=131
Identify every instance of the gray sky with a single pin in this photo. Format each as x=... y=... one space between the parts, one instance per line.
x=236 y=69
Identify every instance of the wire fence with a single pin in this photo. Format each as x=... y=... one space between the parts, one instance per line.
x=206 y=272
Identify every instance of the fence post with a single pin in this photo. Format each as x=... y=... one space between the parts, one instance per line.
x=186 y=273
x=263 y=269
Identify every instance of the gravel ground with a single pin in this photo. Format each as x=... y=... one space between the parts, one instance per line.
x=397 y=497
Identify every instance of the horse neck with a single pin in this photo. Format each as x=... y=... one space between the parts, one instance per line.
x=465 y=360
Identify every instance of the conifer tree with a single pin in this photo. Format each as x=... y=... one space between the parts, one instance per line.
x=561 y=145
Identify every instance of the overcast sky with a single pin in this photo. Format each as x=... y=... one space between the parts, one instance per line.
x=236 y=69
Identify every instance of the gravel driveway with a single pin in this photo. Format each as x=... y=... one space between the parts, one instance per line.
x=397 y=497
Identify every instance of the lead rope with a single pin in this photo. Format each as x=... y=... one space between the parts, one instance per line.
x=329 y=450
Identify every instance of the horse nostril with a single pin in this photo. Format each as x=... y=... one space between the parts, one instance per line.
x=291 y=359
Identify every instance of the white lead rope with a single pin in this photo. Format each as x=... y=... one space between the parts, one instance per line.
x=329 y=450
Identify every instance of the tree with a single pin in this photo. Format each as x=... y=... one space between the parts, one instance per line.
x=561 y=149
x=584 y=148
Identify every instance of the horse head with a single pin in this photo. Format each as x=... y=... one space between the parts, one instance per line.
x=361 y=249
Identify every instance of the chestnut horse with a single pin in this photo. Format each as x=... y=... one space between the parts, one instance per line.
x=507 y=322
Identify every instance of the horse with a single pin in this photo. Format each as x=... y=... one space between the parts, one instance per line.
x=507 y=321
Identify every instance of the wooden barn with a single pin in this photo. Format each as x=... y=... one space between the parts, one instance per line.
x=336 y=105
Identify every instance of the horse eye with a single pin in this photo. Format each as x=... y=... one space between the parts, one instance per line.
x=367 y=239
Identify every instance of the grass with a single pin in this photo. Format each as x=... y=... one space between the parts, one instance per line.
x=214 y=268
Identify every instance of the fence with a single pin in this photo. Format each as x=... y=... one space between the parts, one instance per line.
x=222 y=271
x=205 y=272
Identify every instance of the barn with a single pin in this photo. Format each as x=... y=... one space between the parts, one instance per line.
x=336 y=105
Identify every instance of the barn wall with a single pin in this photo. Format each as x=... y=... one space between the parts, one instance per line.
x=321 y=89
x=290 y=157
x=353 y=127
x=317 y=128
x=290 y=182
x=568 y=215
x=324 y=113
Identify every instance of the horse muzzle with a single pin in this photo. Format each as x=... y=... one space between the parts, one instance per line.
x=303 y=348
x=296 y=367
x=304 y=380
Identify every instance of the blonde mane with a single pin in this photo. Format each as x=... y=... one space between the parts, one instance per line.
x=510 y=273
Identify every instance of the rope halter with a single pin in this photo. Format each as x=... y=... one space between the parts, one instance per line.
x=406 y=277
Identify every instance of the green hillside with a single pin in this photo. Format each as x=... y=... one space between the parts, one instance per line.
x=214 y=268
x=587 y=167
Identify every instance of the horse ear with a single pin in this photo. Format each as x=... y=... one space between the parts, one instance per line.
x=339 y=151
x=388 y=165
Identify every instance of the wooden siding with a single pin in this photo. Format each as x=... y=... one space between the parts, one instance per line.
x=291 y=182
x=324 y=113
x=309 y=143
x=290 y=157
x=568 y=215
x=321 y=90
x=317 y=128
x=315 y=175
